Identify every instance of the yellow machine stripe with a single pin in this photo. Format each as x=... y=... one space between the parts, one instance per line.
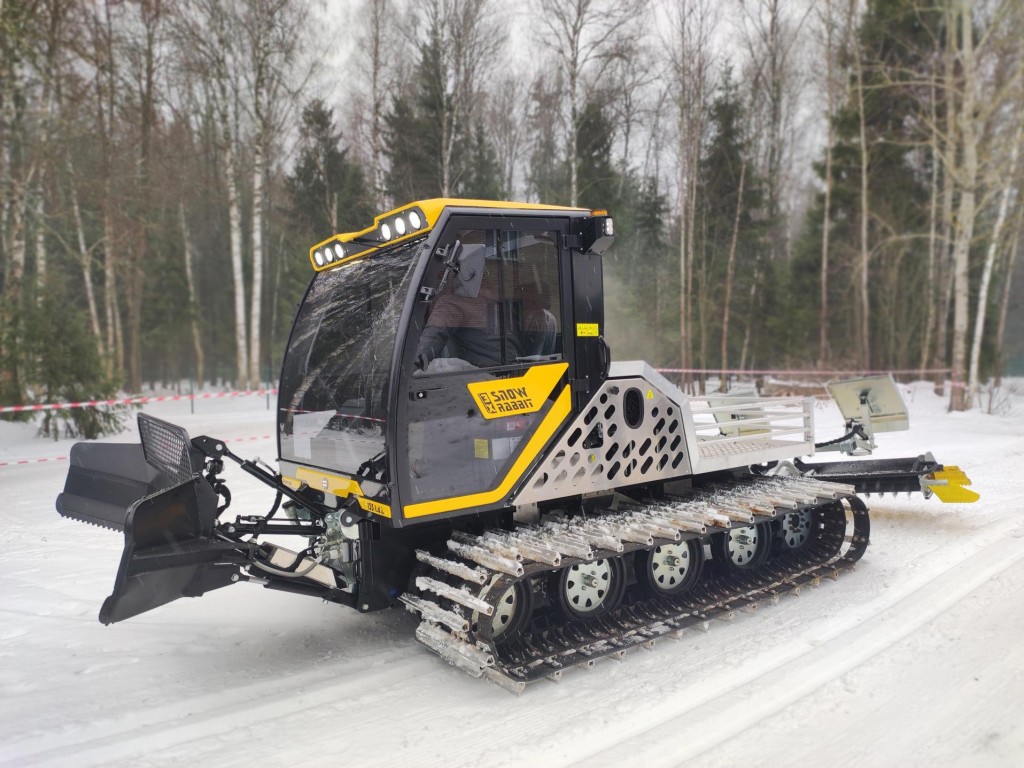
x=552 y=421
x=322 y=481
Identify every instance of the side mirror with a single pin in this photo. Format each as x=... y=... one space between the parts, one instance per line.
x=469 y=273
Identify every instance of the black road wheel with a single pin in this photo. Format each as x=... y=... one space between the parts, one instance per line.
x=588 y=590
x=671 y=569
x=740 y=549
x=795 y=530
x=512 y=613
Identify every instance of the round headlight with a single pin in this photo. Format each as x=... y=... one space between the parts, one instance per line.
x=415 y=220
x=400 y=226
x=318 y=257
x=385 y=232
x=339 y=251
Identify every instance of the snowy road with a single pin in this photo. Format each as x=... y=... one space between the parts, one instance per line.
x=914 y=658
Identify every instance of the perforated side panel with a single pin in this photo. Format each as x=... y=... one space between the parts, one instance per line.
x=600 y=451
x=165 y=447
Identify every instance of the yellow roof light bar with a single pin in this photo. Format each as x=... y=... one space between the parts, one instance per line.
x=401 y=224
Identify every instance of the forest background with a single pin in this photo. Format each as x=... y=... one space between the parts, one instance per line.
x=829 y=184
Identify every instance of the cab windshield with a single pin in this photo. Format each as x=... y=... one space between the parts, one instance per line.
x=333 y=399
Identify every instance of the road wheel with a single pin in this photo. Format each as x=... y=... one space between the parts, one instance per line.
x=671 y=569
x=588 y=590
x=795 y=529
x=512 y=613
x=740 y=549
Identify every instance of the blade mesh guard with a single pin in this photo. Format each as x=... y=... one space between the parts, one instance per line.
x=165 y=447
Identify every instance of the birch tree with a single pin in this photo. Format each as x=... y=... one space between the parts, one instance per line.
x=994 y=246
x=273 y=34
x=691 y=55
x=382 y=54
x=983 y=96
x=585 y=35
x=771 y=40
x=209 y=32
x=18 y=173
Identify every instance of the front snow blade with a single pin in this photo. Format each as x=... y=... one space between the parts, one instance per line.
x=170 y=551
x=104 y=479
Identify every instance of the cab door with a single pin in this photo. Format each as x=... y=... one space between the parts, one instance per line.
x=484 y=369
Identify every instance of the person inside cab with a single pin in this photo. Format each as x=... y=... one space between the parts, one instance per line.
x=464 y=327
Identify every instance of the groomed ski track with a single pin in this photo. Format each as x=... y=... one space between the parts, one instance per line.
x=914 y=658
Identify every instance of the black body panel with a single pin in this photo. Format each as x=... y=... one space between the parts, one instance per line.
x=873 y=475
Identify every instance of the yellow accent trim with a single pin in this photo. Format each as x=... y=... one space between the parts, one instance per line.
x=323 y=481
x=948 y=484
x=292 y=482
x=374 y=506
x=587 y=330
x=498 y=398
x=550 y=424
x=431 y=210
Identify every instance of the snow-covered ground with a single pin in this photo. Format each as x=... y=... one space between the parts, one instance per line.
x=914 y=658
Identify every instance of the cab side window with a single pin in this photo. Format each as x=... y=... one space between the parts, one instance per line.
x=500 y=309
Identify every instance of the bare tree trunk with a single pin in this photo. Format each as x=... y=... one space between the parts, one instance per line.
x=379 y=19
x=193 y=304
x=256 y=308
x=684 y=262
x=1004 y=302
x=986 y=277
x=235 y=244
x=863 y=293
x=16 y=182
x=933 y=205
x=945 y=262
x=691 y=59
x=967 y=209
x=221 y=76
x=729 y=272
x=85 y=259
x=39 y=221
x=826 y=228
x=749 y=324
x=110 y=309
x=12 y=377
x=582 y=32
x=151 y=16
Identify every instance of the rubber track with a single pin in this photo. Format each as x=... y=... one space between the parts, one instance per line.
x=546 y=652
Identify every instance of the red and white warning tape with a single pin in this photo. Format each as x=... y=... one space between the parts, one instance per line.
x=136 y=400
x=23 y=462
x=769 y=372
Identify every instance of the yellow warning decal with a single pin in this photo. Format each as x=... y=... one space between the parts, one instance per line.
x=497 y=398
x=948 y=484
x=374 y=506
x=588 y=329
x=481 y=449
